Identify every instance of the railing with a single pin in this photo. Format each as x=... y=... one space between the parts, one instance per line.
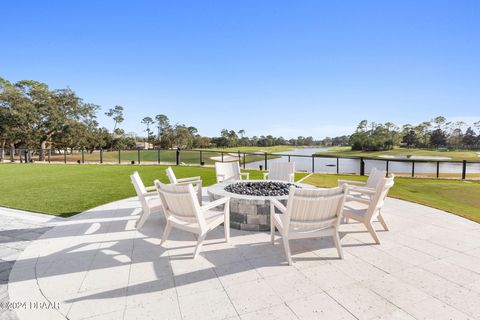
x=250 y=160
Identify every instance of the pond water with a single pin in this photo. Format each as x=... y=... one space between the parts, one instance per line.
x=391 y=156
x=304 y=162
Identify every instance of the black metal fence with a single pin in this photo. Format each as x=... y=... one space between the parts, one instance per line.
x=250 y=160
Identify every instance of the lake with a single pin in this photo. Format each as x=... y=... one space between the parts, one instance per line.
x=349 y=166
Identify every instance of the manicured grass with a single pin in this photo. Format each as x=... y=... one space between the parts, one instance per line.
x=455 y=155
x=459 y=197
x=65 y=190
x=191 y=157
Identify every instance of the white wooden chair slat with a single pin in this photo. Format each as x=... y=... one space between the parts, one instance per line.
x=183 y=211
x=366 y=211
x=196 y=181
x=309 y=213
x=283 y=171
x=229 y=171
x=150 y=201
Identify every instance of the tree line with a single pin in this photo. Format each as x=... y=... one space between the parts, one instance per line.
x=437 y=133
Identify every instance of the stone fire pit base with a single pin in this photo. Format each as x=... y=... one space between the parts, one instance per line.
x=249 y=213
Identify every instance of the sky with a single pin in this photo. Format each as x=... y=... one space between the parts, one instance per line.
x=286 y=68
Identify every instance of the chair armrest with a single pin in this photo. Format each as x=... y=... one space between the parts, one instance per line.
x=215 y=203
x=277 y=204
x=150 y=194
x=192 y=179
x=351 y=182
x=364 y=190
x=246 y=174
x=357 y=199
x=265 y=175
x=151 y=188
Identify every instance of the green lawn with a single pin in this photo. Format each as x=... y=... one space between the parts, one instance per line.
x=189 y=157
x=65 y=190
x=455 y=155
x=459 y=197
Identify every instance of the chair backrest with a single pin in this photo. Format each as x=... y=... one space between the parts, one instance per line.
x=314 y=208
x=378 y=200
x=138 y=184
x=227 y=171
x=375 y=177
x=180 y=202
x=171 y=175
x=281 y=170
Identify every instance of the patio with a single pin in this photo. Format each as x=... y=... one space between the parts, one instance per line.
x=96 y=265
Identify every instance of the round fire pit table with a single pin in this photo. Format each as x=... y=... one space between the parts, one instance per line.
x=250 y=201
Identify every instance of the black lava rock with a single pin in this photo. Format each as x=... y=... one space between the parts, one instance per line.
x=260 y=188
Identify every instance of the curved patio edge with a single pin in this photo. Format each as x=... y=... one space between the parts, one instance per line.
x=97 y=265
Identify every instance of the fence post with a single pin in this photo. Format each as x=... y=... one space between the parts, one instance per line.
x=119 y=156
x=266 y=160
x=65 y=155
x=222 y=156
x=288 y=158
x=178 y=157
x=201 y=157
x=313 y=163
x=413 y=169
x=362 y=167
x=387 y=163
x=244 y=162
x=83 y=155
x=438 y=169
x=138 y=156
x=464 y=169
x=101 y=156
x=239 y=158
x=338 y=165
x=49 y=154
x=158 y=155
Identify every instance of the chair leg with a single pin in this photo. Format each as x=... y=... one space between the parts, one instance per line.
x=166 y=233
x=370 y=229
x=382 y=221
x=143 y=217
x=346 y=220
x=272 y=231
x=200 y=240
x=286 y=246
x=336 y=238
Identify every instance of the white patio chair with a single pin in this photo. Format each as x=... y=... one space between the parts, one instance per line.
x=226 y=171
x=284 y=171
x=196 y=181
x=366 y=209
x=310 y=213
x=374 y=178
x=150 y=201
x=184 y=212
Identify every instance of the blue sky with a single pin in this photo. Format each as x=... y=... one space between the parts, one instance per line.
x=282 y=67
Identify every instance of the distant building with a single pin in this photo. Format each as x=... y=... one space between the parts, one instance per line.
x=143 y=145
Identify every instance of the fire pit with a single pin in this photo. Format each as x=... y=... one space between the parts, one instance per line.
x=260 y=188
x=250 y=201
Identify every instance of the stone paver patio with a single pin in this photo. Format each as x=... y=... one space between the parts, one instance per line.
x=18 y=230
x=98 y=266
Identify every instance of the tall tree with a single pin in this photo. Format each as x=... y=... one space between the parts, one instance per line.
x=116 y=113
x=163 y=125
x=148 y=121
